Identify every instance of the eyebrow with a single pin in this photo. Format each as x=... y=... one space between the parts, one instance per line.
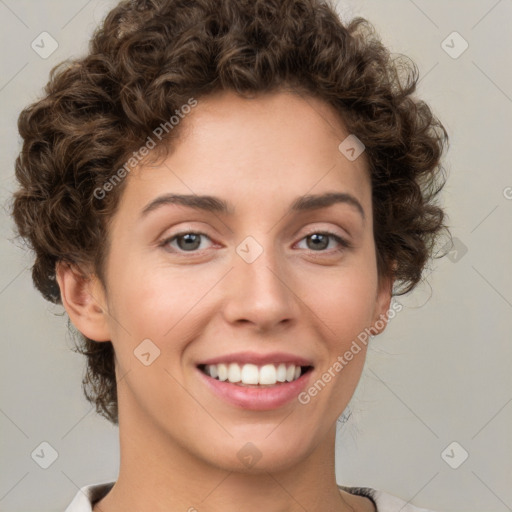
x=217 y=205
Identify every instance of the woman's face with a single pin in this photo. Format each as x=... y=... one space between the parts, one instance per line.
x=275 y=280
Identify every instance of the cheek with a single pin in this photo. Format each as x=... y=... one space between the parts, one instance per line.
x=345 y=302
x=158 y=302
x=345 y=299
x=345 y=305
x=347 y=312
x=349 y=309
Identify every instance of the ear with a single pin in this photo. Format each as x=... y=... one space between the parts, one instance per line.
x=382 y=304
x=84 y=299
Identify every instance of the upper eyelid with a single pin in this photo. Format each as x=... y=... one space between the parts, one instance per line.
x=346 y=233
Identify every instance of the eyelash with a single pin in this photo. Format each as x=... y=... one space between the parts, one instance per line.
x=345 y=244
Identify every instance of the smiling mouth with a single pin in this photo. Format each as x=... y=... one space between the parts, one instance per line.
x=252 y=375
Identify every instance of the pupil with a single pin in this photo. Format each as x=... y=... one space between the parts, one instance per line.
x=190 y=238
x=315 y=238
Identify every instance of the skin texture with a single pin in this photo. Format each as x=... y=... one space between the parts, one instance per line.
x=179 y=441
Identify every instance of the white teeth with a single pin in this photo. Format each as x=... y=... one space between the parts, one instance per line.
x=222 y=370
x=234 y=373
x=281 y=373
x=250 y=374
x=266 y=375
x=214 y=372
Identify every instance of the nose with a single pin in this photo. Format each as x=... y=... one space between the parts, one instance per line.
x=260 y=293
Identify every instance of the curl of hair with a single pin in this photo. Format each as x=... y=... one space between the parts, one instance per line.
x=148 y=58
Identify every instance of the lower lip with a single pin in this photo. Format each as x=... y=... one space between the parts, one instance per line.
x=257 y=399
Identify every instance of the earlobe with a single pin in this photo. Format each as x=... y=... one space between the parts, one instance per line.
x=84 y=300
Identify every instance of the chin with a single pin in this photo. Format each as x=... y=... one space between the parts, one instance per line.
x=259 y=454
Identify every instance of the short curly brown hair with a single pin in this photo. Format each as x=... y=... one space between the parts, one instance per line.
x=148 y=58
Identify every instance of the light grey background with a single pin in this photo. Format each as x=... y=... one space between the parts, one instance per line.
x=441 y=371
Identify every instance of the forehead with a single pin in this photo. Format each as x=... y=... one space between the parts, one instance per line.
x=277 y=146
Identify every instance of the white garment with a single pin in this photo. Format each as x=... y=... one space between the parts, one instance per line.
x=90 y=494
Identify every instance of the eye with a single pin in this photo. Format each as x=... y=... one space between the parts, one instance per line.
x=319 y=241
x=188 y=241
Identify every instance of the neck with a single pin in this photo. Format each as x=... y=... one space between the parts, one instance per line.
x=158 y=474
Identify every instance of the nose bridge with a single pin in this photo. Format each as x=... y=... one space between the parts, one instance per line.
x=258 y=288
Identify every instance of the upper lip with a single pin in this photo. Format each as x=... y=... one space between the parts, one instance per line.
x=259 y=359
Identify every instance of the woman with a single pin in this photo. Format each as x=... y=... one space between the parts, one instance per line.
x=288 y=151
